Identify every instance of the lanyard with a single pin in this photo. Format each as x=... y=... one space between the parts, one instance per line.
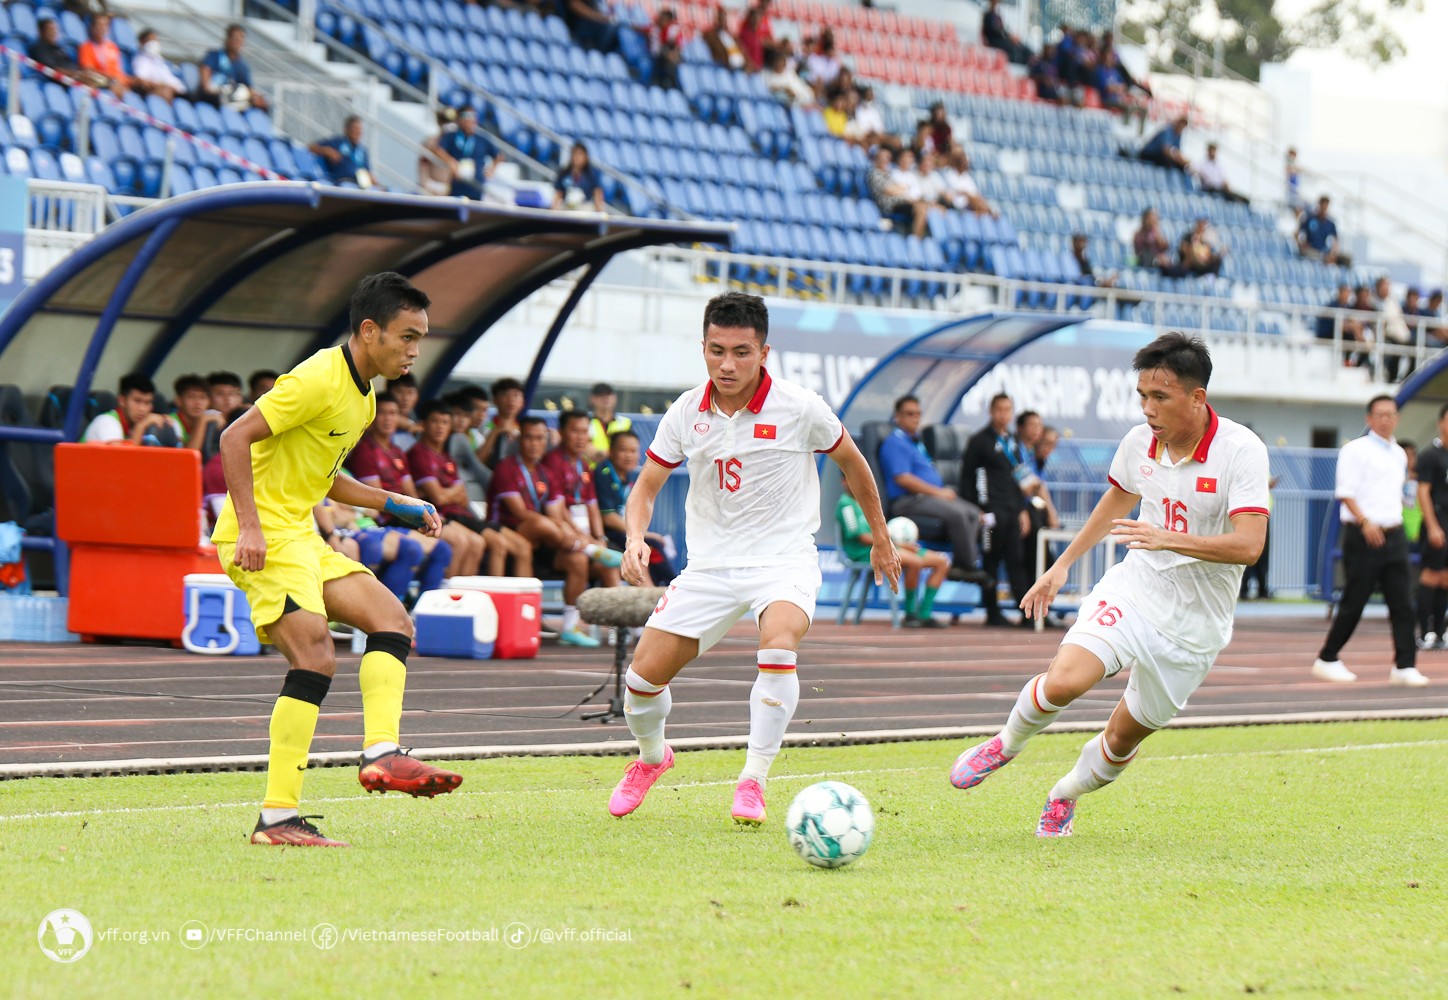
x=1009 y=446
x=528 y=482
x=578 y=483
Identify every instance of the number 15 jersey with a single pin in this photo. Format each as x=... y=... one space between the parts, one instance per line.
x=754 y=494
x=1187 y=600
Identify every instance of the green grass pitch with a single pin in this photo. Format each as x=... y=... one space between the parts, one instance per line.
x=1304 y=860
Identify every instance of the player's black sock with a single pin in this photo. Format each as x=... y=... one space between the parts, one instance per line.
x=1440 y=607
x=1427 y=597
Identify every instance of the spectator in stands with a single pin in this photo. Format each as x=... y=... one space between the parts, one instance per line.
x=404 y=390
x=345 y=156
x=1214 y=179
x=591 y=24
x=433 y=175
x=1079 y=246
x=50 y=53
x=604 y=421
x=1196 y=257
x=1165 y=148
x=823 y=66
x=994 y=35
x=1317 y=236
x=86 y=8
x=1111 y=82
x=723 y=47
x=526 y=500
x=134 y=420
x=856 y=540
x=752 y=39
x=784 y=82
x=1044 y=74
x=479 y=410
x=933 y=184
x=1394 y=330
x=1434 y=307
x=844 y=81
x=666 y=41
x=995 y=473
x=1149 y=243
x=1108 y=48
x=153 y=73
x=102 y=56
x=226 y=75
x=198 y=427
x=571 y=474
x=1208 y=250
x=1352 y=328
x=867 y=128
x=894 y=193
x=225 y=389
x=1413 y=307
x=260 y=382
x=460 y=448
x=503 y=436
x=469 y=155
x=613 y=480
x=941 y=134
x=915 y=489
x=1050 y=437
x=579 y=186
x=1293 y=177
x=960 y=186
x=838 y=114
x=1363 y=305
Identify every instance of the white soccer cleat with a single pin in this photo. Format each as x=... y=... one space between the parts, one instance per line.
x=1430 y=640
x=1412 y=677
x=1332 y=670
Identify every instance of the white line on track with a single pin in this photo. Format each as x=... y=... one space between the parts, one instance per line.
x=251 y=804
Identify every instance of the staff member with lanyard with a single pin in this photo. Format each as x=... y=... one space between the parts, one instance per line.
x=613 y=480
x=468 y=154
x=345 y=155
x=1371 y=471
x=995 y=472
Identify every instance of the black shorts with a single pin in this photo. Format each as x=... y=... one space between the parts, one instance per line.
x=467 y=521
x=1430 y=558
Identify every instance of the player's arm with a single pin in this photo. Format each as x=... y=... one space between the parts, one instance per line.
x=1114 y=505
x=883 y=557
x=637 y=514
x=1241 y=546
x=1431 y=525
x=236 y=442
x=415 y=514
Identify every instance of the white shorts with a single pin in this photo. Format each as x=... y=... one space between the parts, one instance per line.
x=704 y=604
x=1163 y=675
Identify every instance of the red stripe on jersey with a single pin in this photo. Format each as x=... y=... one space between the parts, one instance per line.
x=838 y=440
x=1113 y=482
x=1250 y=510
x=668 y=465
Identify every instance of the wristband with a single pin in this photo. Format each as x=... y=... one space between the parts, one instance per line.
x=412 y=514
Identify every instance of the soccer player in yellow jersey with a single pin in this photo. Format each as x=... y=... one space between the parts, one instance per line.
x=281 y=459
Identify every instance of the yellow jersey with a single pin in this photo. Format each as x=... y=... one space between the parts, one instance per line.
x=317 y=412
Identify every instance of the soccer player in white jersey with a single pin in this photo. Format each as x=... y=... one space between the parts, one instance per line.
x=750 y=441
x=1165 y=610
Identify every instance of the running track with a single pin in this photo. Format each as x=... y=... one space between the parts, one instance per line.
x=86 y=708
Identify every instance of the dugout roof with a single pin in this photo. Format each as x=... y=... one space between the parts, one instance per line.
x=259 y=275
x=1420 y=397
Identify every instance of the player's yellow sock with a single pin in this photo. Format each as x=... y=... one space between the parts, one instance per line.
x=293 y=721
x=382 y=677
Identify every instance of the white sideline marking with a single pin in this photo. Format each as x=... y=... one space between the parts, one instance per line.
x=824 y=775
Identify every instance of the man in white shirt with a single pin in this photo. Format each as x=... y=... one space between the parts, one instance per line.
x=1166 y=609
x=134 y=420
x=1214 y=179
x=1394 y=329
x=1371 y=472
x=750 y=441
x=961 y=187
x=906 y=177
x=151 y=68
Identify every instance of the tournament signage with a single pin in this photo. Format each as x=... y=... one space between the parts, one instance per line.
x=829 y=350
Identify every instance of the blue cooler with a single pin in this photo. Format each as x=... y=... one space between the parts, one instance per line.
x=218 y=618
x=461 y=623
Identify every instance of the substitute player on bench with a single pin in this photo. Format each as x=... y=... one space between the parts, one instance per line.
x=1165 y=611
x=281 y=459
x=753 y=508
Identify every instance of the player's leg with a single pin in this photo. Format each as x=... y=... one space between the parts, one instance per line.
x=1102 y=760
x=520 y=550
x=437 y=555
x=772 y=702
x=939 y=565
x=400 y=558
x=573 y=564
x=497 y=552
x=467 y=549
x=910 y=566
x=361 y=601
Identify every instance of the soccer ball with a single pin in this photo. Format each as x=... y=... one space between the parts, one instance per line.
x=903 y=531
x=830 y=824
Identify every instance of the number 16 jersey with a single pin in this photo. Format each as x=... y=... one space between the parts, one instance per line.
x=754 y=494
x=1187 y=600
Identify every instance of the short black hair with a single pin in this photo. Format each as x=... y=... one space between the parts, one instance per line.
x=506 y=384
x=1184 y=356
x=473 y=392
x=387 y=397
x=998 y=397
x=223 y=378
x=569 y=416
x=903 y=400
x=349 y=120
x=235 y=27
x=406 y=380
x=601 y=389
x=526 y=422
x=1380 y=398
x=457 y=401
x=433 y=406
x=137 y=382
x=260 y=375
x=736 y=309
x=1027 y=415
x=625 y=433
x=380 y=297
x=186 y=383
x=146 y=33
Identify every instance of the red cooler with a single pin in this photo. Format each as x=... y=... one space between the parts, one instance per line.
x=519 y=601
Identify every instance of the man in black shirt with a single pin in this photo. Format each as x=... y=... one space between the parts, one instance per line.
x=50 y=53
x=1433 y=502
x=995 y=471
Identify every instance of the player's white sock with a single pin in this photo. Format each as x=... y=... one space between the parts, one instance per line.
x=378 y=749
x=646 y=706
x=1031 y=714
x=570 y=618
x=772 y=701
x=1096 y=768
x=270 y=816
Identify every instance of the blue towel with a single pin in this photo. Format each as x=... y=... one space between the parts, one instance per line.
x=10 y=535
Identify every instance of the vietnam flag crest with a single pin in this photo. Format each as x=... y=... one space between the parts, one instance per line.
x=765 y=431
x=1206 y=485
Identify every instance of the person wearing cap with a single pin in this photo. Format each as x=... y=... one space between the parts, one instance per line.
x=605 y=423
x=1214 y=179
x=470 y=155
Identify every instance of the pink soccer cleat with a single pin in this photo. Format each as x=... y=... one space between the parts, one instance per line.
x=637 y=781
x=1056 y=818
x=748 y=803
x=973 y=766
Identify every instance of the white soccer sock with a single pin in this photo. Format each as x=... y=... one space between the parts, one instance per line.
x=570 y=618
x=1031 y=714
x=270 y=816
x=1096 y=768
x=646 y=706
x=772 y=702
x=378 y=749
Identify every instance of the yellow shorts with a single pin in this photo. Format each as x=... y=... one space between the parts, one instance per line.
x=295 y=568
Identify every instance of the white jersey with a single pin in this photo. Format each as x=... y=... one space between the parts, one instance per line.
x=754 y=494
x=1187 y=600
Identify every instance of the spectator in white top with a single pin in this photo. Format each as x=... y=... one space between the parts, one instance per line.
x=964 y=194
x=933 y=186
x=1214 y=179
x=781 y=80
x=867 y=128
x=151 y=68
x=1371 y=473
x=134 y=420
x=823 y=66
x=1394 y=329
